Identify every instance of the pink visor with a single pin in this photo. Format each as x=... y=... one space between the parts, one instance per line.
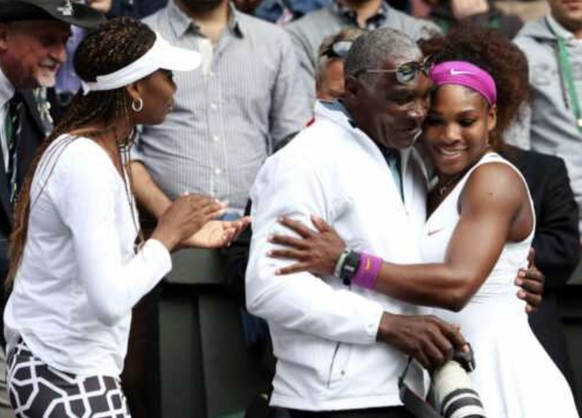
x=465 y=74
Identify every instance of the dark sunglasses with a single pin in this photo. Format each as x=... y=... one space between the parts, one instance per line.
x=407 y=72
x=338 y=49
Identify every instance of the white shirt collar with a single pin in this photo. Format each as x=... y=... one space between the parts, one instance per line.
x=341 y=117
x=6 y=89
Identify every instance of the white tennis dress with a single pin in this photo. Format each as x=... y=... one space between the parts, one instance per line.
x=514 y=376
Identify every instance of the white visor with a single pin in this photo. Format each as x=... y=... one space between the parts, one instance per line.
x=161 y=55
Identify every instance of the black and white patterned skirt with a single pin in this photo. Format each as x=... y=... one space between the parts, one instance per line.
x=39 y=391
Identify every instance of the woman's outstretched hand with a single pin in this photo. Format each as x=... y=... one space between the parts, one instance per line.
x=315 y=251
x=216 y=234
x=186 y=216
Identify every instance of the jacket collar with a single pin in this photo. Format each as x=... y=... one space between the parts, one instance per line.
x=337 y=113
x=6 y=89
x=559 y=29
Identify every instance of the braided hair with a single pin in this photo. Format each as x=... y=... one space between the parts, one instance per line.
x=490 y=50
x=108 y=48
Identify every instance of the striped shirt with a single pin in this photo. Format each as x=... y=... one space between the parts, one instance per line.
x=229 y=114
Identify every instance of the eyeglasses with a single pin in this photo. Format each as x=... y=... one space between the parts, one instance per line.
x=338 y=49
x=405 y=73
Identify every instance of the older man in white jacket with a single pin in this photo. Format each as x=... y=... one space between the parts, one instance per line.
x=339 y=348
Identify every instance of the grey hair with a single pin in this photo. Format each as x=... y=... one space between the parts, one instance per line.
x=372 y=49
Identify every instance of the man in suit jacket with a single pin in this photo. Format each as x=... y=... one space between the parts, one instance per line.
x=556 y=242
x=33 y=36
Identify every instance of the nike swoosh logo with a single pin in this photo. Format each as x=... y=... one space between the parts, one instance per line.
x=452 y=71
x=434 y=231
x=368 y=264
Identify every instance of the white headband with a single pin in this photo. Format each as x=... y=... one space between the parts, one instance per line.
x=160 y=55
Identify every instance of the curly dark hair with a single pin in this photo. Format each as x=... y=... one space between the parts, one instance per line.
x=491 y=51
x=110 y=47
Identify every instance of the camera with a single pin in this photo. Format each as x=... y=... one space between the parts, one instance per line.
x=453 y=394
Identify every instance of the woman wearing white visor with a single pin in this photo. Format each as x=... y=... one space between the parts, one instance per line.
x=78 y=263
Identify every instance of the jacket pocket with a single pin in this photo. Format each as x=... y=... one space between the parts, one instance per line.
x=295 y=351
x=332 y=363
x=338 y=364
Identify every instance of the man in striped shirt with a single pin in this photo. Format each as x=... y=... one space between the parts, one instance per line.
x=228 y=115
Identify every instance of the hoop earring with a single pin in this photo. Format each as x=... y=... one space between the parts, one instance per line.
x=137 y=105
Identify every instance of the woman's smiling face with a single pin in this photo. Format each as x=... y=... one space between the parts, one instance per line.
x=456 y=131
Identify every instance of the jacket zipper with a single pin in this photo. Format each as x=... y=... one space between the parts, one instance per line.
x=332 y=362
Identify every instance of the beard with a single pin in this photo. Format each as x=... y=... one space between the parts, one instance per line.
x=356 y=2
x=46 y=78
x=202 y=5
x=46 y=73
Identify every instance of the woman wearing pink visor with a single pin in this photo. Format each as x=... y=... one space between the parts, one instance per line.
x=478 y=234
x=78 y=262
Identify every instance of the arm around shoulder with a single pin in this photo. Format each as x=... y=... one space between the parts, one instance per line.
x=488 y=204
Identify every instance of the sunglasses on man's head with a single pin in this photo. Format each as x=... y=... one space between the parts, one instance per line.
x=406 y=72
x=338 y=49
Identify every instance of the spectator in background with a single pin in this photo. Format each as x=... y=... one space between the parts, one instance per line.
x=308 y=32
x=449 y=13
x=33 y=35
x=329 y=76
x=553 y=47
x=68 y=82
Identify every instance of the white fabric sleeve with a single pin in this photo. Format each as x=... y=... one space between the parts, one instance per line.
x=302 y=301
x=86 y=201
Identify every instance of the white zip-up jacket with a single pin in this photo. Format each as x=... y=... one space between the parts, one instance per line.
x=324 y=333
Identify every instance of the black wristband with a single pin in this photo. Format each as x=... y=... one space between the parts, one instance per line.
x=349 y=267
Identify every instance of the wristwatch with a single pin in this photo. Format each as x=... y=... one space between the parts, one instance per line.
x=348 y=266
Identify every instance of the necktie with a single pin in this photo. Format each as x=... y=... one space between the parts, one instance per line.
x=13 y=130
x=392 y=157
